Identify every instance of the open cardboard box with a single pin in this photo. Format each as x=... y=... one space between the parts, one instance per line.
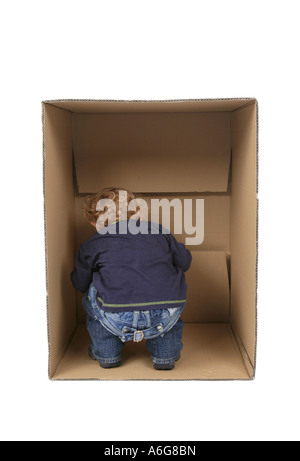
x=188 y=148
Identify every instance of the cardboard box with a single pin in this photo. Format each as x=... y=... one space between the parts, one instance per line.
x=183 y=148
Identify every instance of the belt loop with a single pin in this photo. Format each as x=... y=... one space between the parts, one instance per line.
x=148 y=319
x=135 y=319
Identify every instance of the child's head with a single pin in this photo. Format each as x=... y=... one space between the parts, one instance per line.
x=111 y=193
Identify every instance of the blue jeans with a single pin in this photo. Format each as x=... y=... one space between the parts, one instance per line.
x=161 y=328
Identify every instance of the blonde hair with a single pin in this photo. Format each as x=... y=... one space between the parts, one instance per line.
x=112 y=193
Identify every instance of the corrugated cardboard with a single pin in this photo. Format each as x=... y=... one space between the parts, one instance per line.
x=186 y=149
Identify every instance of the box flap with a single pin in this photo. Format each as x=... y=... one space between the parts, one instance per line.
x=208 y=288
x=153 y=152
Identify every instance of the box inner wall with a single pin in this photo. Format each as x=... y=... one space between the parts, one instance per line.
x=209 y=279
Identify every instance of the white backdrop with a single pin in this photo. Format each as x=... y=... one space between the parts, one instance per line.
x=148 y=50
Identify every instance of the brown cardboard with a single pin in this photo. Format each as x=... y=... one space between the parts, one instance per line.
x=199 y=149
x=244 y=226
x=81 y=106
x=139 y=150
x=210 y=353
x=208 y=294
x=59 y=229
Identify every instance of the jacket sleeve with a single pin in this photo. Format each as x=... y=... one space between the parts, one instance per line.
x=182 y=257
x=82 y=274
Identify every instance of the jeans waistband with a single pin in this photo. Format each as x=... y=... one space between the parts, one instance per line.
x=134 y=334
x=150 y=327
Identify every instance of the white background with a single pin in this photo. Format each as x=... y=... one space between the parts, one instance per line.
x=148 y=50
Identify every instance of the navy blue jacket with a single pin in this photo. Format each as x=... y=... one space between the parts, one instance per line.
x=133 y=272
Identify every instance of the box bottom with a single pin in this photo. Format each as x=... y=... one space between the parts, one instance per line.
x=209 y=352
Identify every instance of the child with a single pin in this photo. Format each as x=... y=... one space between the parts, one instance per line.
x=133 y=283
